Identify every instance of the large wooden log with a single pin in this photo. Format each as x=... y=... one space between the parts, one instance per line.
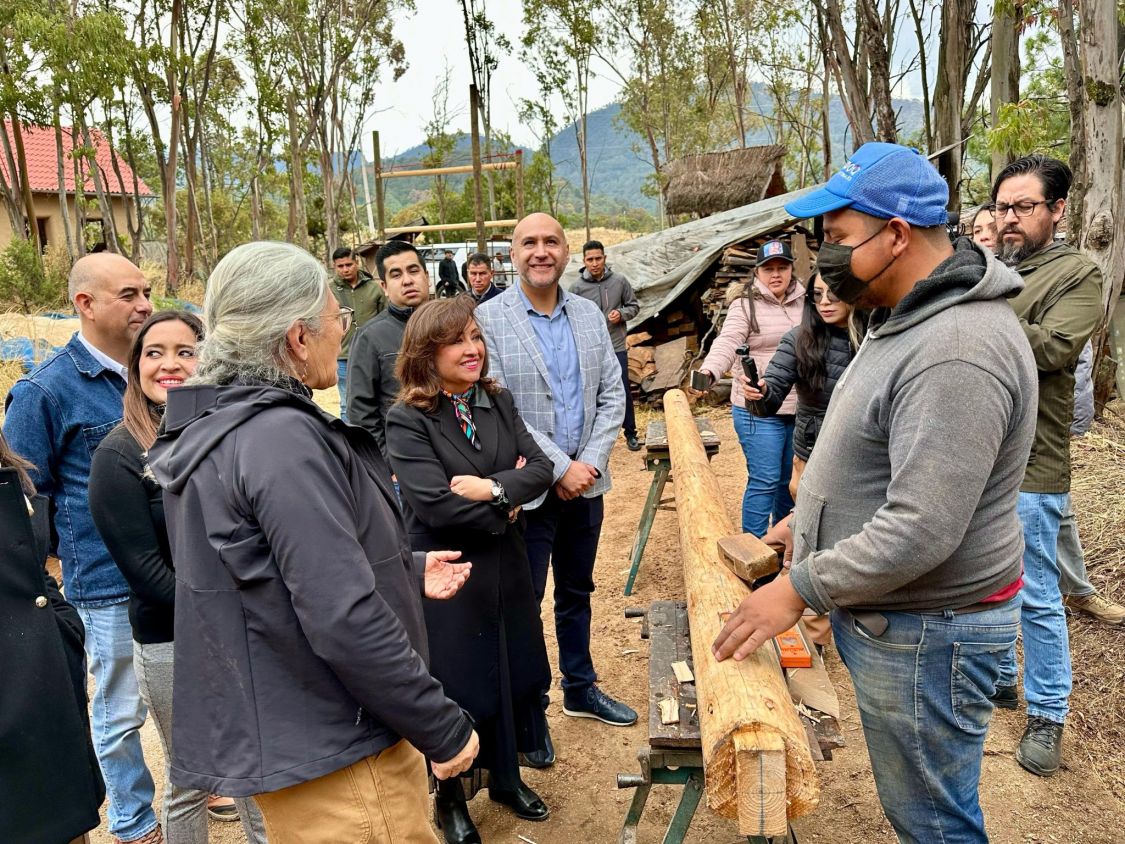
x=759 y=768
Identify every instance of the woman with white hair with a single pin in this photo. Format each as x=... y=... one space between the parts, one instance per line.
x=300 y=644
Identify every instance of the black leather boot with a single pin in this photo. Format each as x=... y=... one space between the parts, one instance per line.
x=451 y=813
x=521 y=800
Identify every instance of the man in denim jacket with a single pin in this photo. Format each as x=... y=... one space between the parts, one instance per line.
x=55 y=417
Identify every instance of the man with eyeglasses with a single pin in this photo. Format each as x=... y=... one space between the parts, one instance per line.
x=1058 y=308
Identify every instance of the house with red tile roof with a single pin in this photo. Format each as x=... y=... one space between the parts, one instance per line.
x=42 y=167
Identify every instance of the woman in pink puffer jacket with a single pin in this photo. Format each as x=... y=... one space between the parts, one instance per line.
x=770 y=305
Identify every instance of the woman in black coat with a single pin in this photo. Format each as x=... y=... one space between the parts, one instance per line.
x=465 y=464
x=811 y=357
x=50 y=783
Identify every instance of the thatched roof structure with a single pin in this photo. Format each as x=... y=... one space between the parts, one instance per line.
x=718 y=181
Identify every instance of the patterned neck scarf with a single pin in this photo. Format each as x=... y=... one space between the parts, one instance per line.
x=464 y=415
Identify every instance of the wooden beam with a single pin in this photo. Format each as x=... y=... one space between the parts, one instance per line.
x=519 y=183
x=474 y=137
x=755 y=749
x=450 y=227
x=437 y=171
x=379 y=210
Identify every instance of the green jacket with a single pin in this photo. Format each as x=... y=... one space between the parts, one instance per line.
x=367 y=299
x=1059 y=308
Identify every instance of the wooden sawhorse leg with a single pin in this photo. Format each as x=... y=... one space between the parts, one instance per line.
x=648 y=516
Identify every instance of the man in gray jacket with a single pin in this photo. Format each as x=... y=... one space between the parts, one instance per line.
x=612 y=293
x=906 y=527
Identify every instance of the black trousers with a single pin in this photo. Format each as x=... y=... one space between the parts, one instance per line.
x=629 y=426
x=564 y=535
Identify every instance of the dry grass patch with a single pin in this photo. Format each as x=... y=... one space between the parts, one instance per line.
x=1098 y=702
x=609 y=237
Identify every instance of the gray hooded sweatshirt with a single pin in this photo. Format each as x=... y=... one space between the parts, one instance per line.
x=908 y=502
x=611 y=292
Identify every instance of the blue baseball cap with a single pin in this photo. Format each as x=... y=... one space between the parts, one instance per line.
x=884 y=181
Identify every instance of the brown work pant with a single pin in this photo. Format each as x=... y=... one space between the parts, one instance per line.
x=378 y=800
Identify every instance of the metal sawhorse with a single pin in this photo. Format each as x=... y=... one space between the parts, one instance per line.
x=659 y=461
x=674 y=755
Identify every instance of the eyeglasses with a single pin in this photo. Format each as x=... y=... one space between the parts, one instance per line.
x=1023 y=209
x=825 y=296
x=345 y=315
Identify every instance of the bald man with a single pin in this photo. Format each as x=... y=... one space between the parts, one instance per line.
x=55 y=417
x=553 y=351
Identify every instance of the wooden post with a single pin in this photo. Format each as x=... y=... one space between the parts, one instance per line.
x=755 y=750
x=379 y=217
x=519 y=184
x=478 y=199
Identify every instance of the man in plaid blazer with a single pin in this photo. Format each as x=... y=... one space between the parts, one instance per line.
x=553 y=351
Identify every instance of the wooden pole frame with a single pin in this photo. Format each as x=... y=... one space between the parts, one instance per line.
x=449 y=227
x=379 y=176
x=437 y=171
x=478 y=198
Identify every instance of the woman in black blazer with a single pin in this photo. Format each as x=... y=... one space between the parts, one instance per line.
x=50 y=783
x=465 y=464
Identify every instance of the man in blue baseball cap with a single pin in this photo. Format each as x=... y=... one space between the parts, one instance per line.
x=905 y=528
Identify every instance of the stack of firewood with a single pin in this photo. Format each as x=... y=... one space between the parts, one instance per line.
x=699 y=312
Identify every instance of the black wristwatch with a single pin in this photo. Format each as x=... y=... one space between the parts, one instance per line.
x=499 y=497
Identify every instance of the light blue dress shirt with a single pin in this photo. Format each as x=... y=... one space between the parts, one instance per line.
x=564 y=372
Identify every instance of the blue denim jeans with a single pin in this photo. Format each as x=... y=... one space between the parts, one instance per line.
x=1073 y=580
x=767 y=444
x=116 y=716
x=1046 y=645
x=923 y=689
x=342 y=386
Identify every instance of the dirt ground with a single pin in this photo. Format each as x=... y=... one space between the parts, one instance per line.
x=1077 y=805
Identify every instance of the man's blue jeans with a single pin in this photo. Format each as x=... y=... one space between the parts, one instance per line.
x=1046 y=645
x=767 y=444
x=116 y=716
x=342 y=386
x=923 y=689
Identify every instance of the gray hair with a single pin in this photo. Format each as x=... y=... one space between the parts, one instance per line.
x=254 y=296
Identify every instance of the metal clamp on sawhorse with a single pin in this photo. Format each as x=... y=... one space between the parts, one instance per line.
x=659 y=461
x=674 y=755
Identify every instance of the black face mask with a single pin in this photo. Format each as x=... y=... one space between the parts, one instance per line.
x=834 y=264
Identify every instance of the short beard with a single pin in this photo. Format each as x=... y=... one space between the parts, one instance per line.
x=1014 y=254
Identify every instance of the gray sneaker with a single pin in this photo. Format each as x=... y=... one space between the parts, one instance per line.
x=1041 y=747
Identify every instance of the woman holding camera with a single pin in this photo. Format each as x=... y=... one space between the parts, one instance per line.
x=811 y=358
x=768 y=307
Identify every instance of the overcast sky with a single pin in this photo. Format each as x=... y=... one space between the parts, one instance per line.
x=435 y=34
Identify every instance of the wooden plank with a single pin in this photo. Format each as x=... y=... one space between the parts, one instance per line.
x=669 y=711
x=802 y=257
x=669 y=642
x=671 y=365
x=812 y=687
x=448 y=227
x=682 y=672
x=747 y=556
x=735 y=698
x=656 y=435
x=448 y=171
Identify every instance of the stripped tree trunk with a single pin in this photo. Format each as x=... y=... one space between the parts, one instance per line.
x=1005 y=68
x=949 y=93
x=60 y=175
